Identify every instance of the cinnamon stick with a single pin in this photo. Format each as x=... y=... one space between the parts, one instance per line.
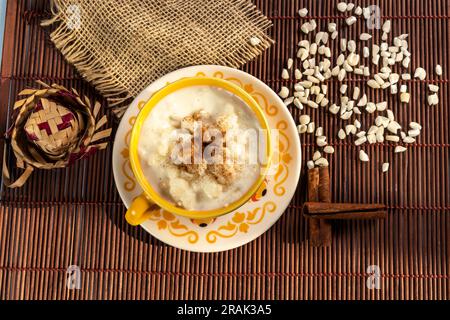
x=341 y=211
x=324 y=196
x=313 y=196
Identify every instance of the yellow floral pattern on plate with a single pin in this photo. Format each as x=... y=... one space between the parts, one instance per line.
x=239 y=222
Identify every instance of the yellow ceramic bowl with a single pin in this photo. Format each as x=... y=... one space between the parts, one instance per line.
x=151 y=199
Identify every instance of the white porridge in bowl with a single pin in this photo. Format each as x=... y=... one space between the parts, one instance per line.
x=198 y=148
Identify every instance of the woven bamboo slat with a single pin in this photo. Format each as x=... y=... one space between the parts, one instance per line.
x=74 y=216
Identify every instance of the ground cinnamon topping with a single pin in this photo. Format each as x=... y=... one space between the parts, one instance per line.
x=212 y=156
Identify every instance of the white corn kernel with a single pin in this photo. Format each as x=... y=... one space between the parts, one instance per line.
x=379 y=138
x=382 y=121
x=288 y=101
x=302 y=54
x=319 y=131
x=340 y=60
x=363 y=101
x=328 y=149
x=387 y=26
x=394 y=78
x=312 y=104
x=394 y=89
x=364 y=36
x=380 y=130
x=372 y=130
x=334 y=35
x=405 y=97
x=290 y=63
x=304 y=43
x=363 y=156
x=390 y=115
x=302 y=128
x=313 y=49
x=361 y=134
x=303 y=12
x=378 y=79
x=376 y=59
x=399 y=149
x=360 y=141
x=298 y=104
x=321 y=141
x=331 y=27
x=371 y=107
x=392 y=138
x=393 y=127
x=343 y=44
x=351 y=46
x=317 y=155
x=381 y=106
x=371 y=138
x=305 y=28
x=341 y=75
x=284 y=92
x=353 y=59
x=346 y=115
x=366 y=52
x=385 y=85
x=373 y=84
x=324 y=102
x=409 y=140
x=350 y=20
x=414 y=133
x=347 y=67
x=433 y=88
x=367 y=13
x=334 y=109
x=305 y=119
x=420 y=73
x=350 y=129
x=433 y=99
x=406 y=62
x=342 y=6
x=312 y=25
x=322 y=162
x=254 y=41
x=406 y=76
x=415 y=125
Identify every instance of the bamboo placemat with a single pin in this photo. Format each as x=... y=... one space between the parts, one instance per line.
x=75 y=216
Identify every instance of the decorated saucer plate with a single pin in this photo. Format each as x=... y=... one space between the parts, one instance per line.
x=253 y=218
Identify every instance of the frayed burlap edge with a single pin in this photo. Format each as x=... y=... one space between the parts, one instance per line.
x=65 y=39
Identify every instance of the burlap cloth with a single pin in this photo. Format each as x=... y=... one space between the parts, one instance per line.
x=122 y=46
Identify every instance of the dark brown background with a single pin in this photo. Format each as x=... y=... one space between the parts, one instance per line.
x=75 y=216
